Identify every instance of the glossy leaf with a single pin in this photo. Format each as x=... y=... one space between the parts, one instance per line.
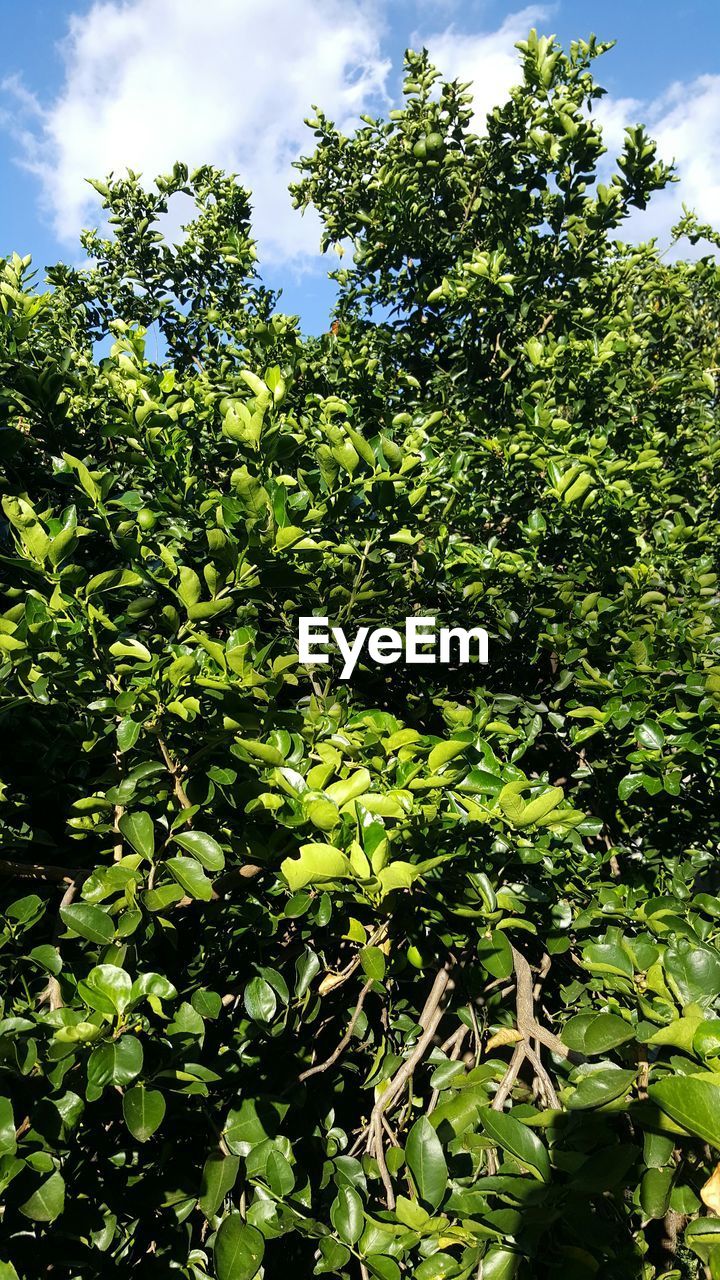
x=143 y=1110
x=426 y=1161
x=238 y=1250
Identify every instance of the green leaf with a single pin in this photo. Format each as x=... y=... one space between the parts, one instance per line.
x=381 y=1267
x=128 y=732
x=630 y=783
x=439 y=1266
x=26 y=910
x=693 y=971
x=514 y=1136
x=495 y=954
x=500 y=1264
x=372 y=960
x=207 y=1003
x=426 y=1161
x=596 y=1033
x=218 y=1179
x=445 y=1073
x=317 y=864
x=130 y=648
x=84 y=476
x=597 y=1088
x=444 y=752
x=190 y=589
x=107 y=988
x=693 y=1102
x=189 y=874
x=347 y=1216
x=260 y=1000
x=703 y=1237
x=245 y=1128
x=203 y=847
x=137 y=829
x=88 y=922
x=655 y=1189
x=262 y=751
x=153 y=984
x=279 y=1174
x=8 y=1143
x=349 y=788
x=540 y=807
x=398 y=875
x=163 y=897
x=511 y=802
x=320 y=810
x=143 y=1110
x=117 y=1062
x=608 y=957
x=650 y=735
x=333 y=1256
x=239 y=1249
x=47 y=1203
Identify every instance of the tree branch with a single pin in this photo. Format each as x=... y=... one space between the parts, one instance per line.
x=175 y=773
x=329 y=1062
x=41 y=871
x=530 y=1029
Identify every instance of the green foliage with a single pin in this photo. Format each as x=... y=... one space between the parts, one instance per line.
x=415 y=975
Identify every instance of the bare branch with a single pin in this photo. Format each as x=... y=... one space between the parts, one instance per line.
x=509 y=1078
x=41 y=871
x=176 y=774
x=329 y=1062
x=530 y=1029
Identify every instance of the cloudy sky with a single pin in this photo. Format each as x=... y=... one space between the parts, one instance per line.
x=86 y=88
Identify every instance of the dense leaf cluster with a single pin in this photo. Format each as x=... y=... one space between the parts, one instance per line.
x=416 y=975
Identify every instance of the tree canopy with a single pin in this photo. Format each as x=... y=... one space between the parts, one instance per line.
x=415 y=975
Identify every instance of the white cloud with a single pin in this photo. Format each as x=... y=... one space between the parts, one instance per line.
x=229 y=81
x=685 y=122
x=489 y=59
x=148 y=82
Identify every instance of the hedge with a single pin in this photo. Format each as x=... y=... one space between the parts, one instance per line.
x=417 y=973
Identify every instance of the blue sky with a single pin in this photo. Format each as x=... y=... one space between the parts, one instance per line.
x=85 y=87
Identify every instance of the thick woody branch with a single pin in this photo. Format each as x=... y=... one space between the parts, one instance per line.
x=429 y=1020
x=529 y=1029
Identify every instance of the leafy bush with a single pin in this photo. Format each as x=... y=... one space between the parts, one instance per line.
x=416 y=975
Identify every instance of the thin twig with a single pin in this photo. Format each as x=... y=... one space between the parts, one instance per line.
x=477 y=1038
x=175 y=773
x=430 y=1018
x=549 y=1095
x=117 y=815
x=455 y=1044
x=643 y=1073
x=332 y=981
x=118 y=846
x=51 y=993
x=509 y=1078
x=329 y=1062
x=377 y=1134
x=390 y=1132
